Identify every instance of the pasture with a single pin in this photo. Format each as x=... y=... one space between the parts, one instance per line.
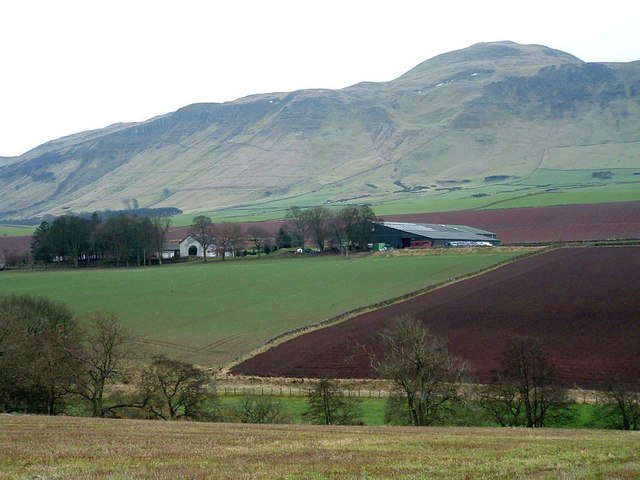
x=544 y=187
x=83 y=448
x=211 y=313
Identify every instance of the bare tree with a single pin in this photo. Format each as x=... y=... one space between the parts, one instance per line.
x=424 y=371
x=351 y=225
x=317 y=220
x=624 y=398
x=102 y=358
x=328 y=406
x=172 y=389
x=297 y=221
x=363 y=217
x=35 y=371
x=226 y=236
x=161 y=224
x=525 y=390
x=259 y=409
x=202 y=231
x=259 y=237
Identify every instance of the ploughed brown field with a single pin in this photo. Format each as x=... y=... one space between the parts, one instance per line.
x=564 y=223
x=583 y=303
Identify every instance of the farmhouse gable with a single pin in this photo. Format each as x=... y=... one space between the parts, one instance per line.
x=186 y=247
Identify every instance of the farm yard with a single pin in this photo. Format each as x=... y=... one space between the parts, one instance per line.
x=83 y=448
x=212 y=313
x=555 y=223
x=582 y=303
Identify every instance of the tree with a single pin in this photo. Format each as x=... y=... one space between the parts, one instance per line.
x=328 y=406
x=259 y=237
x=624 y=403
x=297 y=221
x=42 y=246
x=283 y=239
x=106 y=347
x=363 y=217
x=351 y=225
x=35 y=370
x=70 y=236
x=338 y=225
x=317 y=219
x=258 y=409
x=118 y=235
x=423 y=370
x=202 y=231
x=525 y=390
x=226 y=236
x=161 y=224
x=173 y=389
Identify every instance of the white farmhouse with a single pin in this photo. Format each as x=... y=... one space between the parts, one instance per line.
x=186 y=247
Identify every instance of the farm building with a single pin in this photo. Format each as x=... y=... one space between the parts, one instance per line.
x=185 y=247
x=422 y=235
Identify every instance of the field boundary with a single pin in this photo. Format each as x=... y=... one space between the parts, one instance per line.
x=348 y=315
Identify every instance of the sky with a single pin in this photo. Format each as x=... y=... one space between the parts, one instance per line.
x=68 y=66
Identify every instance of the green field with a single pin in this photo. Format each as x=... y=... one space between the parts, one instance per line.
x=15 y=230
x=578 y=415
x=211 y=313
x=83 y=448
x=544 y=187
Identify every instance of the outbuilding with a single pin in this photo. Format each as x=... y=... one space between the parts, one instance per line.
x=426 y=235
x=185 y=247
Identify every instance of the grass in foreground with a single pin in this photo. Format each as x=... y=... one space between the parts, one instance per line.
x=212 y=313
x=80 y=448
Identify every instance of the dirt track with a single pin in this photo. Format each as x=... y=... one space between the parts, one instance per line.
x=584 y=304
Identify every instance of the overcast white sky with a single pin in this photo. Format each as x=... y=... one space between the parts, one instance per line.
x=74 y=65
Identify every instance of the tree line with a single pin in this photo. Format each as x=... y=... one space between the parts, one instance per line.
x=433 y=387
x=120 y=239
x=125 y=239
x=347 y=227
x=50 y=363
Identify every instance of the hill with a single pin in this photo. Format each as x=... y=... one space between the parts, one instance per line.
x=464 y=122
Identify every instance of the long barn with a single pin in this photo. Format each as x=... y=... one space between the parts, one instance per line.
x=407 y=235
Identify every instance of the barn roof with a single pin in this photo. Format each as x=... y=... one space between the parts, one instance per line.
x=442 y=232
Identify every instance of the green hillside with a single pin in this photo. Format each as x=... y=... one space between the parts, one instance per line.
x=462 y=124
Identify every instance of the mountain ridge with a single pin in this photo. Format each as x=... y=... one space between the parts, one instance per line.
x=492 y=109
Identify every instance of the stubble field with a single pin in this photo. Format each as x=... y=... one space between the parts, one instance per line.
x=82 y=448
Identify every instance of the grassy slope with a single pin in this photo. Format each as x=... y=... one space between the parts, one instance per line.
x=59 y=447
x=545 y=187
x=212 y=313
x=15 y=230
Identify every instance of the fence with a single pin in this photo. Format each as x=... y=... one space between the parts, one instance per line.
x=298 y=392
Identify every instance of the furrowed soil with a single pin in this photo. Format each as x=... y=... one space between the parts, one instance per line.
x=583 y=303
x=33 y=447
x=565 y=223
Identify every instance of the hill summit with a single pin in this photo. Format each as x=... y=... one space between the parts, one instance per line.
x=484 y=113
